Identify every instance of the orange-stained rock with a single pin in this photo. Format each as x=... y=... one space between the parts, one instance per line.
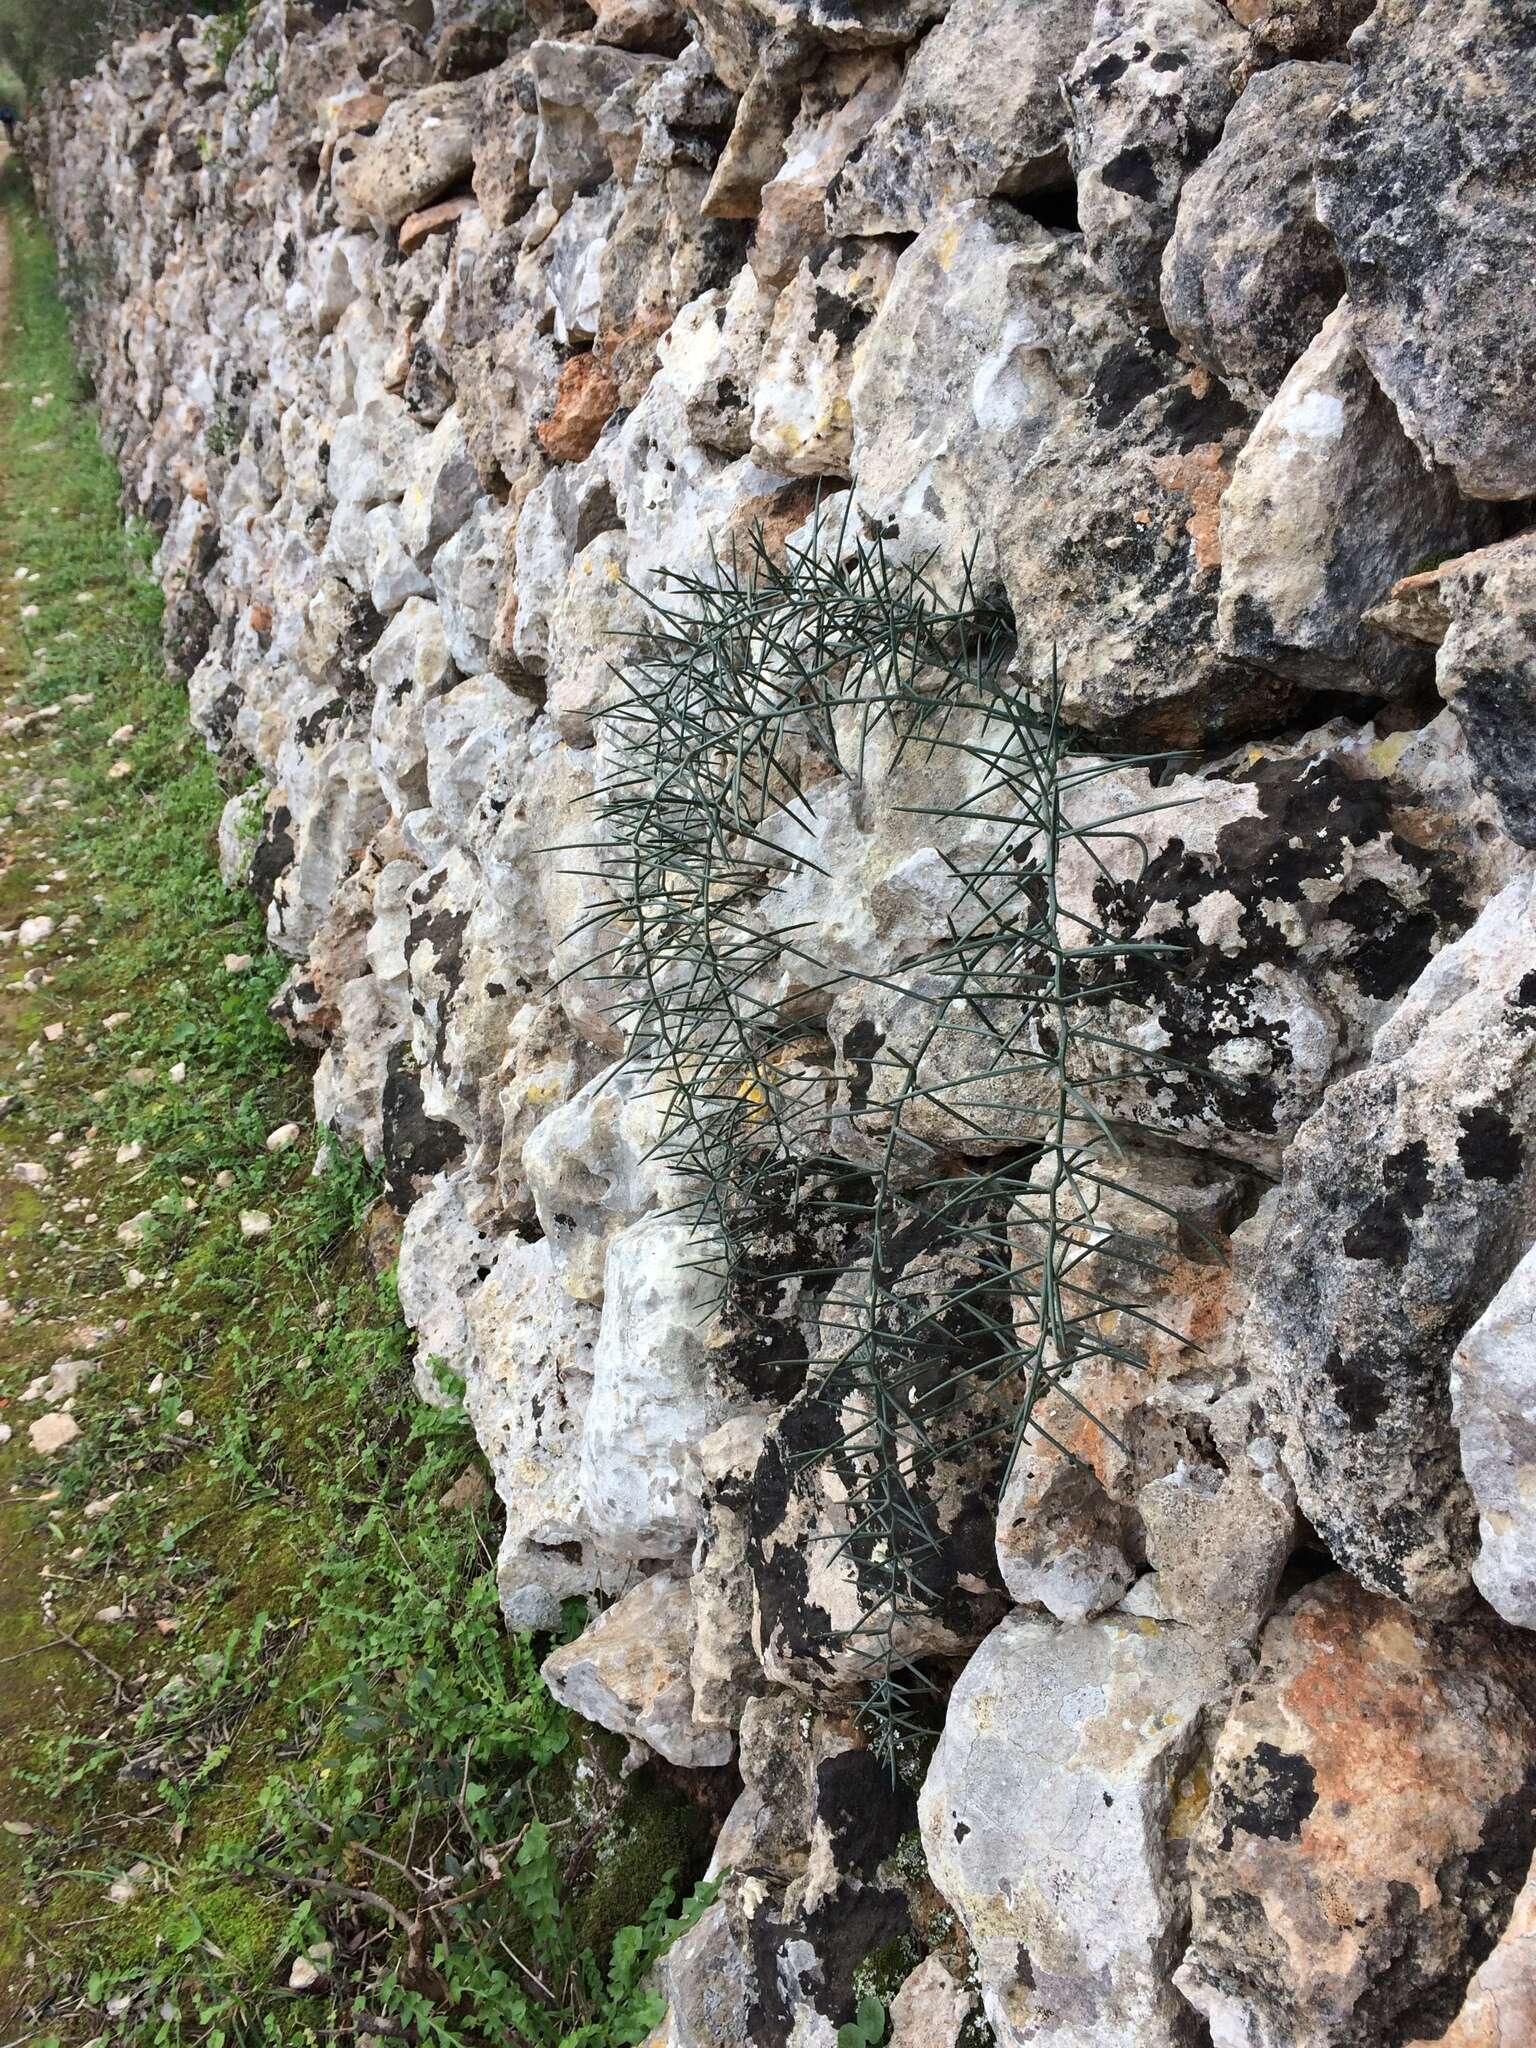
x=586 y=397
x=433 y=220
x=1371 y=1820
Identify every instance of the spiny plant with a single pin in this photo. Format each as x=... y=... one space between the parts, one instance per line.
x=954 y=1180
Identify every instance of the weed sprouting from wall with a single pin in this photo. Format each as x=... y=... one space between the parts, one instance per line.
x=948 y=1155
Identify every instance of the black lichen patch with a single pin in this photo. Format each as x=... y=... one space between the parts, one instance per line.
x=1489 y=1147
x=416 y=1145
x=1382 y=1231
x=1292 y=864
x=839 y=1934
x=274 y=855
x=865 y=1812
x=1271 y=1795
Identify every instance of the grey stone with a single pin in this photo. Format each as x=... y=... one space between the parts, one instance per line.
x=742 y=35
x=651 y=1391
x=504 y=137
x=1424 y=182
x=1486 y=672
x=469 y=573
x=572 y=82
x=1053 y=1815
x=1406 y=1201
x=1493 y=1404
x=629 y=1672
x=980 y=115
x=1148 y=97
x=1250 y=273
x=1328 y=506
x=1006 y=412
x=422 y=148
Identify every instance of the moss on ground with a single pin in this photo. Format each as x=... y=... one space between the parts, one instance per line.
x=256 y=1704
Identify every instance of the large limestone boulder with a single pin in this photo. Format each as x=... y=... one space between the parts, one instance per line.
x=980 y=115
x=1250 y=272
x=1067 y=1779
x=422 y=148
x=1405 y=1203
x=1424 y=181
x=1368 y=1827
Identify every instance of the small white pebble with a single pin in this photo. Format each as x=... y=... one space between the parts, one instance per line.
x=255 y=1223
x=284 y=1136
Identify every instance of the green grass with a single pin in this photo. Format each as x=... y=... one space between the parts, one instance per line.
x=257 y=1701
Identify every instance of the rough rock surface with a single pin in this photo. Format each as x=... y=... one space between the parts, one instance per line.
x=979 y=116
x=629 y=1671
x=1095 y=1731
x=1328 y=506
x=1370 y=1821
x=1493 y=1404
x=1149 y=95
x=1197 y=337
x=1405 y=1202
x=1250 y=272
x=1425 y=183
x=1486 y=671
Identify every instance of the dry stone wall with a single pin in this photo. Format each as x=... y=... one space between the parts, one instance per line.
x=1205 y=334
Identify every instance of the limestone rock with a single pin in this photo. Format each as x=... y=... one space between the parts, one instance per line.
x=1372 y=1760
x=1328 y=505
x=629 y=1672
x=1068 y=1776
x=1493 y=1404
x=598 y=620
x=723 y=1661
x=1250 y=273
x=1157 y=1453
x=572 y=83
x=1405 y=1203
x=423 y=146
x=1424 y=182
x=741 y=34
x=593 y=1168
x=527 y=1384
x=651 y=1391
x=1500 y=2006
x=825 y=1602
x=505 y=133
x=931 y=2009
x=838 y=109
x=1300 y=28
x=801 y=421
x=1148 y=97
x=1006 y=412
x=1486 y=672
x=469 y=573
x=812 y=1893
x=979 y=115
